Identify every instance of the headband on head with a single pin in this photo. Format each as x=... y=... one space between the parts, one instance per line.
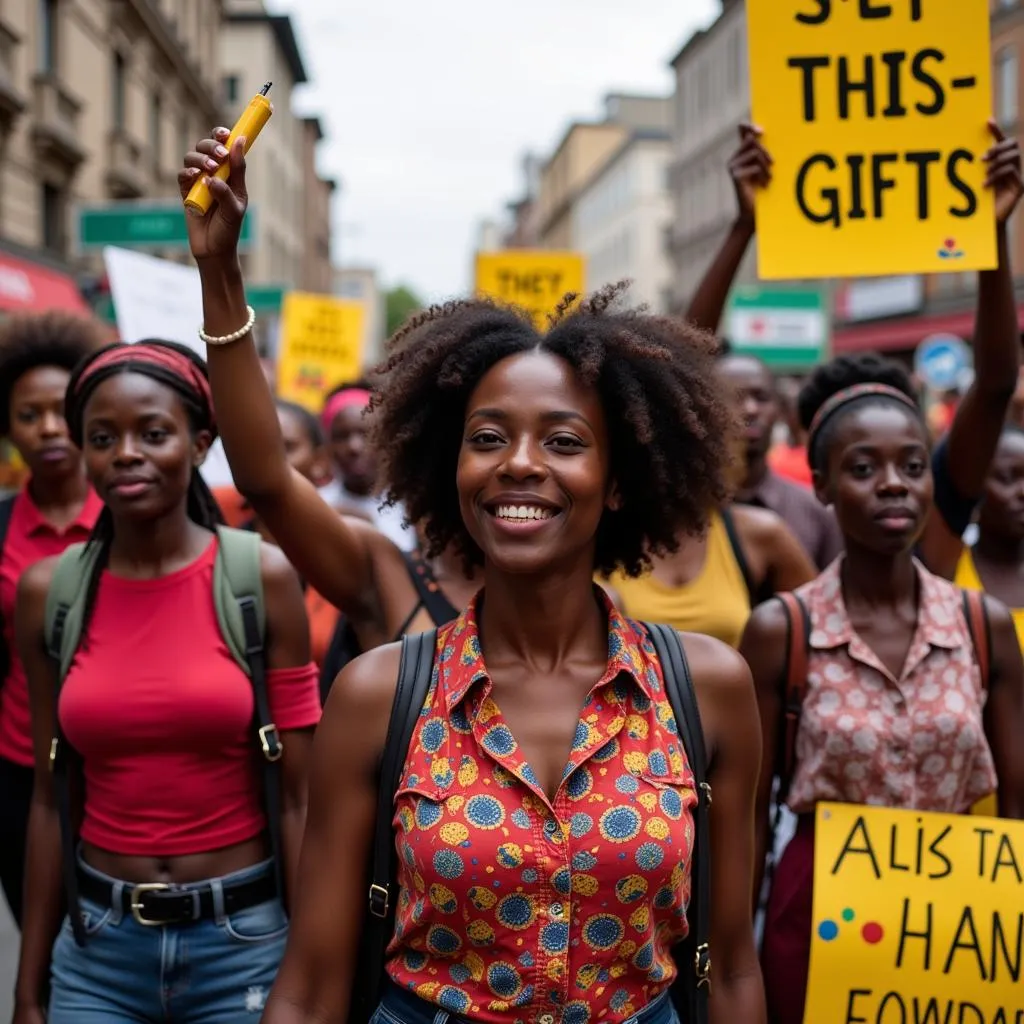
x=851 y=394
x=143 y=354
x=350 y=397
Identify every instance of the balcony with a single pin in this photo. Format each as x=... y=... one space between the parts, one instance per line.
x=12 y=103
x=125 y=176
x=55 y=121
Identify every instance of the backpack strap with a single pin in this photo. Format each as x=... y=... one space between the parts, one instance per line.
x=798 y=635
x=242 y=616
x=65 y=605
x=438 y=607
x=695 y=951
x=976 y=614
x=6 y=510
x=729 y=522
x=415 y=673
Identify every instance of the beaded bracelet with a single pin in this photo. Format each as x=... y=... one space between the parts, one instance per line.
x=227 y=339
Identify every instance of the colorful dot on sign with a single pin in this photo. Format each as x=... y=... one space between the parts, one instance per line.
x=828 y=930
x=872 y=932
x=848 y=915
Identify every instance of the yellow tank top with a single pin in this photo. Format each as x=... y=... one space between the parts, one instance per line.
x=967 y=577
x=715 y=603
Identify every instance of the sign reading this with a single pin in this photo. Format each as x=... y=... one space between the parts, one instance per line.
x=536 y=281
x=321 y=346
x=917 y=918
x=875 y=114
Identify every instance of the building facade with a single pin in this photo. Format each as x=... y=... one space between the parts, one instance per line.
x=360 y=284
x=257 y=47
x=317 y=273
x=620 y=217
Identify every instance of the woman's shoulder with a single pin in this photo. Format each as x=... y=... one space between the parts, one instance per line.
x=715 y=665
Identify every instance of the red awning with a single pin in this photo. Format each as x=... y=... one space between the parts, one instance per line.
x=901 y=335
x=27 y=287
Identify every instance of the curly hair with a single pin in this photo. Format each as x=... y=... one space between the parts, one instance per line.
x=31 y=340
x=669 y=423
x=841 y=373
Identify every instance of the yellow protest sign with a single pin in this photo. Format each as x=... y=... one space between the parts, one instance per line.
x=321 y=346
x=874 y=112
x=918 y=918
x=536 y=281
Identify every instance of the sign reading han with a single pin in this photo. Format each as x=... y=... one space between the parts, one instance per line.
x=875 y=114
x=536 y=281
x=918 y=918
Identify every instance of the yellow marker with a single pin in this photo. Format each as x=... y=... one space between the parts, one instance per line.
x=249 y=125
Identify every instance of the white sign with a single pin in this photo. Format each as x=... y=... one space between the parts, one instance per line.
x=879 y=297
x=802 y=328
x=156 y=298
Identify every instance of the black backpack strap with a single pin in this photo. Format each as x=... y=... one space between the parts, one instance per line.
x=414 y=676
x=438 y=607
x=694 y=955
x=729 y=522
x=6 y=511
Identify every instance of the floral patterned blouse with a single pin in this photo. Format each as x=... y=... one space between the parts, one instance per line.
x=514 y=908
x=867 y=737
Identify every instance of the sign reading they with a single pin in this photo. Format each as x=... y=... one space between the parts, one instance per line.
x=917 y=918
x=321 y=346
x=875 y=114
x=536 y=281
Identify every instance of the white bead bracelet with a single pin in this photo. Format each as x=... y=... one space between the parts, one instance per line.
x=227 y=339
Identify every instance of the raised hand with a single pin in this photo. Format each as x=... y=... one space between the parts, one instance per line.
x=1004 y=173
x=216 y=233
x=750 y=169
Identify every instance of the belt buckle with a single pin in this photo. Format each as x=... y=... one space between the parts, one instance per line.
x=138 y=892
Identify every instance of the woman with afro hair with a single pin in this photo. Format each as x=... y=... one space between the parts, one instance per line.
x=54 y=509
x=894 y=710
x=545 y=817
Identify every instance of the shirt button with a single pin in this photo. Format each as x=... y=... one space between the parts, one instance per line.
x=552 y=831
x=556 y=910
x=546 y=1018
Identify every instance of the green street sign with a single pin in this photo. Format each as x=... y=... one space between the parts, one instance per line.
x=140 y=225
x=265 y=298
x=788 y=328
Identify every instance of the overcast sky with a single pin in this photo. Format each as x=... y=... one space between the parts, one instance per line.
x=429 y=107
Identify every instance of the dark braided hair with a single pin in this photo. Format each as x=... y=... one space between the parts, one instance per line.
x=668 y=421
x=835 y=376
x=202 y=507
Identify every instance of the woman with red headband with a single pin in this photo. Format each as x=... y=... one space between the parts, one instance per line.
x=182 y=914
x=894 y=711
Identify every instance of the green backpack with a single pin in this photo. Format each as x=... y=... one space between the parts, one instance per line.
x=241 y=615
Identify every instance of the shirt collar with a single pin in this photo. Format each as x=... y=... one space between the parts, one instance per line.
x=34 y=523
x=630 y=652
x=938 y=611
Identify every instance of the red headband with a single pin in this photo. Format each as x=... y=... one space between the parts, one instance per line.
x=344 y=400
x=153 y=355
x=850 y=394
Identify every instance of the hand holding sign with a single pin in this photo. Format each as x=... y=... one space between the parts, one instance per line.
x=750 y=169
x=1004 y=173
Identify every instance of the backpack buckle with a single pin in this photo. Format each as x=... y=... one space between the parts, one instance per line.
x=702 y=965
x=271 y=743
x=54 y=748
x=706 y=789
x=379 y=900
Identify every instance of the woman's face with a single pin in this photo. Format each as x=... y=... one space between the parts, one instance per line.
x=302 y=454
x=38 y=428
x=351 y=450
x=138 y=445
x=1002 y=509
x=533 y=474
x=879 y=477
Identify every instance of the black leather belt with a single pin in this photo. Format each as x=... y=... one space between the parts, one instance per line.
x=156 y=904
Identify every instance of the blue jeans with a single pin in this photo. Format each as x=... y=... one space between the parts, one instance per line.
x=401 y=1007
x=217 y=971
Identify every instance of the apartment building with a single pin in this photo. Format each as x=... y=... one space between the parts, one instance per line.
x=317 y=273
x=98 y=101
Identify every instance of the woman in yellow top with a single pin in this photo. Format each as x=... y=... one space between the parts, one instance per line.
x=712 y=582
x=995 y=564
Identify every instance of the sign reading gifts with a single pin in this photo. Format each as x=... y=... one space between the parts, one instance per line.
x=875 y=114
x=918 y=918
x=536 y=281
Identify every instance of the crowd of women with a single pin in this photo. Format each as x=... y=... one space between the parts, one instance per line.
x=208 y=732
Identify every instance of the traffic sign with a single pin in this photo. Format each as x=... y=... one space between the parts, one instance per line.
x=941 y=361
x=145 y=224
x=787 y=328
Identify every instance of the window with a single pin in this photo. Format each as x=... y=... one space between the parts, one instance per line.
x=155 y=117
x=231 y=88
x=53 y=217
x=48 y=35
x=1006 y=87
x=118 y=92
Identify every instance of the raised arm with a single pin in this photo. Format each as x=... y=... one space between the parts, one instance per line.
x=44 y=884
x=981 y=416
x=1004 y=710
x=327 y=554
x=750 y=169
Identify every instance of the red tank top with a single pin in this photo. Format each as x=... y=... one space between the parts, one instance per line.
x=162 y=716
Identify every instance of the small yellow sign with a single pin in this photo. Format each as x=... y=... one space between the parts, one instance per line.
x=874 y=112
x=321 y=346
x=534 y=280
x=917 y=918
